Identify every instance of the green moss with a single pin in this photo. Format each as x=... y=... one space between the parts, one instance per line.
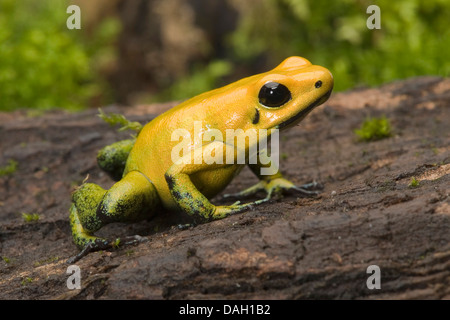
x=7 y=260
x=26 y=281
x=374 y=129
x=32 y=217
x=46 y=261
x=414 y=183
x=115 y=118
x=198 y=80
x=116 y=243
x=9 y=169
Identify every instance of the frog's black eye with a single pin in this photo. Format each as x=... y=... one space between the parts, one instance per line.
x=318 y=84
x=274 y=94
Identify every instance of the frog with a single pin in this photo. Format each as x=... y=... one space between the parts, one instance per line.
x=149 y=181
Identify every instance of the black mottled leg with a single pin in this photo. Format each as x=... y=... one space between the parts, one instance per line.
x=113 y=158
x=131 y=199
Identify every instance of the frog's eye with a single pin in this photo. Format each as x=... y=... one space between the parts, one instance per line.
x=274 y=94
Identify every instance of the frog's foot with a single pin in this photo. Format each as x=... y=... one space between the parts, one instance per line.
x=95 y=245
x=275 y=187
x=98 y=244
x=83 y=238
x=185 y=226
x=223 y=211
x=260 y=186
x=90 y=243
x=304 y=188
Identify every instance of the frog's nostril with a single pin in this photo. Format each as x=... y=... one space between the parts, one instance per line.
x=318 y=84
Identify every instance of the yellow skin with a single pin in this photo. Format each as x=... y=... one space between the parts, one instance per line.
x=150 y=181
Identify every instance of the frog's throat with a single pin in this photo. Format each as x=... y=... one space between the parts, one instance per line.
x=299 y=116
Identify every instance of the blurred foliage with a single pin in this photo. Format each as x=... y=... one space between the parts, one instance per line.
x=114 y=118
x=30 y=217
x=413 y=39
x=203 y=78
x=43 y=64
x=10 y=168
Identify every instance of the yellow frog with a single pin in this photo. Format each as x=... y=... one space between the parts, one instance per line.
x=151 y=179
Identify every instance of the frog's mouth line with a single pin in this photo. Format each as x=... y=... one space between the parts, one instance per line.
x=305 y=111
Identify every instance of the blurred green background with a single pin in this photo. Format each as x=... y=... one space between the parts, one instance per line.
x=140 y=51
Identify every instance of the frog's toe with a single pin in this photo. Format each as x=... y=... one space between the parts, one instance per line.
x=276 y=187
x=244 y=206
x=306 y=188
x=184 y=226
x=223 y=211
x=136 y=239
x=312 y=185
x=260 y=186
x=304 y=191
x=95 y=245
x=103 y=244
x=232 y=195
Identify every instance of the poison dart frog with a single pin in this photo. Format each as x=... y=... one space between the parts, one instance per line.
x=150 y=180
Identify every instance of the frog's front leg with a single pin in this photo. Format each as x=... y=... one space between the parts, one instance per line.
x=188 y=198
x=130 y=199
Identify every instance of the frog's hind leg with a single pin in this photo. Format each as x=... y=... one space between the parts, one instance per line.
x=84 y=239
x=129 y=200
x=112 y=159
